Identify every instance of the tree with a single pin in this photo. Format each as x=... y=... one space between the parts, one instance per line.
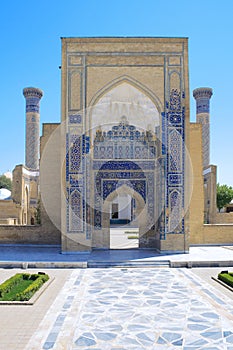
x=5 y=182
x=224 y=195
x=38 y=212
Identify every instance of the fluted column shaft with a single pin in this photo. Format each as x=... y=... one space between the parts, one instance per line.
x=32 y=96
x=202 y=97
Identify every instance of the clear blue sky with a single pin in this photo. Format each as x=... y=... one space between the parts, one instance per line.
x=31 y=54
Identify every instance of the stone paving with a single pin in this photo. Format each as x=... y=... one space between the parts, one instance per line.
x=19 y=323
x=136 y=308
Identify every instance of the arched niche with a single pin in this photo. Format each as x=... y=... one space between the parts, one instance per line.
x=124 y=97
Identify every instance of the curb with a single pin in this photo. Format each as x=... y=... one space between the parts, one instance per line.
x=108 y=264
x=191 y=264
x=43 y=265
x=222 y=283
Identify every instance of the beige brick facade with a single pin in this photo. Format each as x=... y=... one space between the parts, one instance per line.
x=197 y=198
x=91 y=69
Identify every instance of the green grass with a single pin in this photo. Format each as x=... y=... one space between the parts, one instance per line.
x=226 y=277
x=11 y=295
x=133 y=237
x=21 y=286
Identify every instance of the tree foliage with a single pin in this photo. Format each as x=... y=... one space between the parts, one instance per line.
x=38 y=212
x=5 y=182
x=224 y=195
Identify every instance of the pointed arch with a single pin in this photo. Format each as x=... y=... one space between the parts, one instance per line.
x=141 y=212
x=124 y=96
x=75 y=207
x=141 y=208
x=124 y=189
x=175 y=207
x=175 y=147
x=131 y=81
x=175 y=80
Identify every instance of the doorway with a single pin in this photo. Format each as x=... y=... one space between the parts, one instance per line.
x=124 y=230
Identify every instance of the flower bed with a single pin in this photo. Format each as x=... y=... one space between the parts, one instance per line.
x=226 y=277
x=21 y=286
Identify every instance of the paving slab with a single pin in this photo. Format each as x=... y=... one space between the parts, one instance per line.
x=136 y=309
x=20 y=322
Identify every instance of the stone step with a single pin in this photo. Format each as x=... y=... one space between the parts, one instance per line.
x=134 y=263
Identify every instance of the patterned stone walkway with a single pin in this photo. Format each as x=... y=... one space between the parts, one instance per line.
x=136 y=308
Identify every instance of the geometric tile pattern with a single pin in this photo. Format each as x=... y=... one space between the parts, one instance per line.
x=174 y=149
x=76 y=208
x=124 y=150
x=108 y=181
x=202 y=97
x=175 y=201
x=77 y=146
x=117 y=153
x=124 y=141
x=136 y=308
x=75 y=118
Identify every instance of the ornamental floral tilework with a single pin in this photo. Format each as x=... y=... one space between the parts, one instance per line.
x=174 y=141
x=134 y=153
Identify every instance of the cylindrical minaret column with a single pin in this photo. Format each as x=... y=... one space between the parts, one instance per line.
x=32 y=96
x=202 y=97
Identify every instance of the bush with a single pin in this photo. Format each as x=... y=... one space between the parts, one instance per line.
x=6 y=286
x=226 y=278
x=38 y=281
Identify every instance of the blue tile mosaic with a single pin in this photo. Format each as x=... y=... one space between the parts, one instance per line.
x=75 y=118
x=203 y=105
x=135 y=156
x=33 y=104
x=173 y=125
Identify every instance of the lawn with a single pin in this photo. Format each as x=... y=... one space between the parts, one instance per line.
x=21 y=286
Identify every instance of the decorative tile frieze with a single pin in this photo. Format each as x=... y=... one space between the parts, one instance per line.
x=123 y=165
x=175 y=179
x=75 y=118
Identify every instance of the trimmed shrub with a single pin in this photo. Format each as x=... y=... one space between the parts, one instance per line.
x=6 y=286
x=226 y=278
x=38 y=281
x=26 y=276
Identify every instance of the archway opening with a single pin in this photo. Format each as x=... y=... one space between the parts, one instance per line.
x=124 y=218
x=124 y=229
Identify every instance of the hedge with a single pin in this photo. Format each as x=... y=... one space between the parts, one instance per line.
x=6 y=286
x=226 y=278
x=38 y=280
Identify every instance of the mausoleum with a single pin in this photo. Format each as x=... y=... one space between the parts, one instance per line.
x=125 y=151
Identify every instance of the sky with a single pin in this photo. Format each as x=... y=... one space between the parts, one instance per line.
x=31 y=56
